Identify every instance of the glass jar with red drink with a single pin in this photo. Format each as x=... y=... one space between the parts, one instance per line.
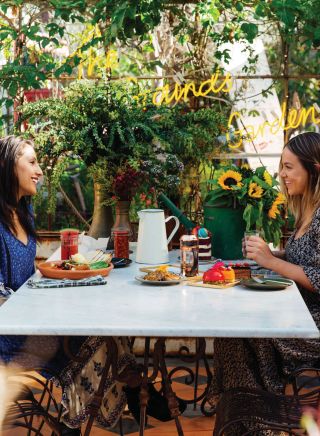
x=69 y=243
x=121 y=243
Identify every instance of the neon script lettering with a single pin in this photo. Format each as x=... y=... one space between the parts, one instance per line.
x=295 y=119
x=163 y=94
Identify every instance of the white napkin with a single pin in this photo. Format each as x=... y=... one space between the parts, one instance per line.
x=87 y=243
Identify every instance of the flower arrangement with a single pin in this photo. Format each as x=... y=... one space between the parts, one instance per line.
x=163 y=173
x=126 y=182
x=256 y=191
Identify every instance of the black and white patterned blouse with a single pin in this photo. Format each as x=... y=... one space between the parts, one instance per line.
x=305 y=252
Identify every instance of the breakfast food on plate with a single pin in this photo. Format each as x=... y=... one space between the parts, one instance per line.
x=242 y=270
x=79 y=262
x=219 y=274
x=161 y=274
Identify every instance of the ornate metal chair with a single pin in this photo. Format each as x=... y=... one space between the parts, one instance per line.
x=245 y=411
x=27 y=411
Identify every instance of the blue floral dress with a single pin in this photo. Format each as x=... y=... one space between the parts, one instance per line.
x=78 y=381
x=16 y=266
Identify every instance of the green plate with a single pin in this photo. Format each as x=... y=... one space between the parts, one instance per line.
x=270 y=285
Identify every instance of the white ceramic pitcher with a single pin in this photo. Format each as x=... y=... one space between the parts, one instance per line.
x=152 y=245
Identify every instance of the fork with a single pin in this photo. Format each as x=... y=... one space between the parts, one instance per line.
x=268 y=281
x=98 y=256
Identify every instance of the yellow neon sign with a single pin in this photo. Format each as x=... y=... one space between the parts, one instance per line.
x=295 y=119
x=163 y=94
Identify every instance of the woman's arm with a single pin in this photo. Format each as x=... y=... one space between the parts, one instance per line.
x=260 y=252
x=291 y=271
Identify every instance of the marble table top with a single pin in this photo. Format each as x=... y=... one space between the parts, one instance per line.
x=124 y=306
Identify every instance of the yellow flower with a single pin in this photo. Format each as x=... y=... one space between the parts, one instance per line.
x=245 y=166
x=229 y=179
x=273 y=211
x=267 y=178
x=255 y=191
x=281 y=199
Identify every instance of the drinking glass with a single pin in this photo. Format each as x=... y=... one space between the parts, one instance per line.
x=69 y=243
x=247 y=235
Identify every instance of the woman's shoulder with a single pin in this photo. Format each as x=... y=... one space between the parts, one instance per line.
x=315 y=222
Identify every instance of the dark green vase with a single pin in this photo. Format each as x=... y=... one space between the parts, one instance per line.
x=227 y=227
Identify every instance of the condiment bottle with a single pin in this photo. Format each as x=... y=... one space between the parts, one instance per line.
x=189 y=254
x=121 y=243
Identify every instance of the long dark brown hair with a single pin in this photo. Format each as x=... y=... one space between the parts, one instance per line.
x=306 y=147
x=11 y=148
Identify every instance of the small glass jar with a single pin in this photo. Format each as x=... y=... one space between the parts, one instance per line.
x=189 y=255
x=69 y=243
x=121 y=243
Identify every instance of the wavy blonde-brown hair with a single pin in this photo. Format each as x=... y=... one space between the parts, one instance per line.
x=306 y=147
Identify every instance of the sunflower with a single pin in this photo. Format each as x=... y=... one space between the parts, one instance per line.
x=273 y=211
x=267 y=178
x=245 y=166
x=255 y=191
x=281 y=199
x=229 y=179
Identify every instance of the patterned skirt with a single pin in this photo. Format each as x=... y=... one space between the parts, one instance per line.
x=78 y=381
x=262 y=363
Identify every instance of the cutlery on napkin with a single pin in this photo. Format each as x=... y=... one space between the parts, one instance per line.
x=66 y=283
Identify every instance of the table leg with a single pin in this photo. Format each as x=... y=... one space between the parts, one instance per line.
x=200 y=354
x=144 y=394
x=159 y=360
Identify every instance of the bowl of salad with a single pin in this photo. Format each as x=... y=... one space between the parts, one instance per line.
x=79 y=266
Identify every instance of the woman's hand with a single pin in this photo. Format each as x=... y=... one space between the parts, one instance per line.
x=258 y=250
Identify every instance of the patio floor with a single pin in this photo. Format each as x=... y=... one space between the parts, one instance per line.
x=193 y=422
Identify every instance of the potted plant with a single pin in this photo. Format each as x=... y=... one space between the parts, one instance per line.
x=242 y=199
x=104 y=125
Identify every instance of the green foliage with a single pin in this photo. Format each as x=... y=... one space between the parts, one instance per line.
x=128 y=18
x=25 y=42
x=256 y=191
x=92 y=120
x=101 y=123
x=104 y=125
x=193 y=135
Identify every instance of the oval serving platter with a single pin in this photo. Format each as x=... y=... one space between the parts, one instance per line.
x=48 y=270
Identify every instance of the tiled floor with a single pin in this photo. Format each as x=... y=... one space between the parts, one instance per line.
x=192 y=421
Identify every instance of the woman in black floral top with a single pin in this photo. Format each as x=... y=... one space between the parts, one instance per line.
x=264 y=363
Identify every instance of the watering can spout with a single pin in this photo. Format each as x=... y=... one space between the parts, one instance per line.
x=189 y=225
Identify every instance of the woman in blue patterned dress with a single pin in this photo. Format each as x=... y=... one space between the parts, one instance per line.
x=264 y=363
x=19 y=175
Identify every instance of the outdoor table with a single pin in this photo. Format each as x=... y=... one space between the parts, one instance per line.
x=125 y=307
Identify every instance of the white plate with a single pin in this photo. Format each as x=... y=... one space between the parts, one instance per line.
x=158 y=282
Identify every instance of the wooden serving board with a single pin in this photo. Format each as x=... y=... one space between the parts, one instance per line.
x=200 y=284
